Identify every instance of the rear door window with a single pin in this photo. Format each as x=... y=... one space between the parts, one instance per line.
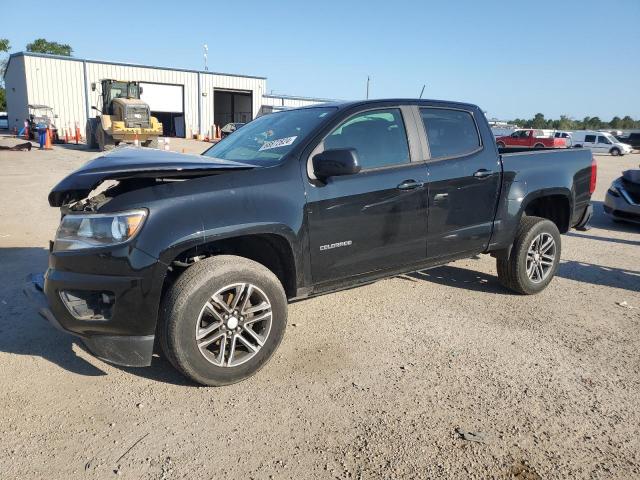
x=451 y=133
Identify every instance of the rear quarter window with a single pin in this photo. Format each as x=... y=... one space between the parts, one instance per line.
x=451 y=133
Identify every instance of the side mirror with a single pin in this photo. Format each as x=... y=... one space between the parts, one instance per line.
x=335 y=163
x=93 y=107
x=93 y=86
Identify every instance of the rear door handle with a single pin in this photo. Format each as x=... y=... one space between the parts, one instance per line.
x=483 y=173
x=410 y=185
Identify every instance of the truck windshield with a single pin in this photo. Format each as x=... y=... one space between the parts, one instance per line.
x=266 y=140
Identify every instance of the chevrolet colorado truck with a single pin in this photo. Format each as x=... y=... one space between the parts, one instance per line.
x=199 y=255
x=530 y=139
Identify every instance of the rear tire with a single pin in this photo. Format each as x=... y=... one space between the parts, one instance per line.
x=527 y=270
x=538 y=145
x=198 y=302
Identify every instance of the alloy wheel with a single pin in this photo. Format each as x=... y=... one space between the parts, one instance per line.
x=541 y=257
x=233 y=325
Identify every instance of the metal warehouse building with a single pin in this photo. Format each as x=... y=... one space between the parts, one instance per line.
x=185 y=101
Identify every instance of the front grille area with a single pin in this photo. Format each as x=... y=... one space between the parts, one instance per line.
x=137 y=116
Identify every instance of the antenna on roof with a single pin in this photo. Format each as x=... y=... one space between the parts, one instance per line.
x=422 y=91
x=206 y=52
x=368 y=87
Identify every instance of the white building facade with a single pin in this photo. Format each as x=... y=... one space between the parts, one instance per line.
x=187 y=102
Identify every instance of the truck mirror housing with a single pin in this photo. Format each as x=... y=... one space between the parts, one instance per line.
x=336 y=162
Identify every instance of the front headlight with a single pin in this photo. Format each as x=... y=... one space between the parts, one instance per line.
x=97 y=230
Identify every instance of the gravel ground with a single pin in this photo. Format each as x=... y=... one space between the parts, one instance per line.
x=379 y=381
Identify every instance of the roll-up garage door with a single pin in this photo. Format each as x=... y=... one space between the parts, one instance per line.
x=167 y=105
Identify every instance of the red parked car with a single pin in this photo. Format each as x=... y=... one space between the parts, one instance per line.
x=530 y=139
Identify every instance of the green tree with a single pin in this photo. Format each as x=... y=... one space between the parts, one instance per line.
x=41 y=45
x=628 y=122
x=616 y=122
x=5 y=46
x=565 y=123
x=539 y=121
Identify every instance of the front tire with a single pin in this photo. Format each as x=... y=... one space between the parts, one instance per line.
x=615 y=152
x=90 y=133
x=105 y=141
x=534 y=258
x=222 y=320
x=501 y=145
x=151 y=143
x=538 y=145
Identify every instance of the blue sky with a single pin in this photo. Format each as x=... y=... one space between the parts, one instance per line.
x=512 y=58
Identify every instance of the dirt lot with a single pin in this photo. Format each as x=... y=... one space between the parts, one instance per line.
x=368 y=383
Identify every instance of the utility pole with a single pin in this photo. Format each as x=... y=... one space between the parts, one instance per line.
x=368 y=87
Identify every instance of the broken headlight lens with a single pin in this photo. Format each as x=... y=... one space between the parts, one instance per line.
x=97 y=230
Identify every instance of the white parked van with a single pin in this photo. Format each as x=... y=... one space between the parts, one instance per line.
x=599 y=142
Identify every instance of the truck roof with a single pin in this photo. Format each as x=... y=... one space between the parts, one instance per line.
x=417 y=101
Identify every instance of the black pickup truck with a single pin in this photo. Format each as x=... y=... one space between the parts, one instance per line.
x=200 y=254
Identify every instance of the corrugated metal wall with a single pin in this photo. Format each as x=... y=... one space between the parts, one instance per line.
x=16 y=88
x=60 y=84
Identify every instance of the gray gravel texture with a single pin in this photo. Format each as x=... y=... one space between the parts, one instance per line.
x=436 y=374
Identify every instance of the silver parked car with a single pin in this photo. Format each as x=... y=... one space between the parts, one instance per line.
x=622 y=202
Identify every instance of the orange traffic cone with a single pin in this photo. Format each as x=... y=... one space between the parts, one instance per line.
x=136 y=142
x=66 y=136
x=47 y=142
x=77 y=134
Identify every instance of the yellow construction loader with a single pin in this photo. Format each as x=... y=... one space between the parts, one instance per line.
x=123 y=117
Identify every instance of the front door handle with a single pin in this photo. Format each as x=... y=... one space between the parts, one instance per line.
x=410 y=185
x=483 y=173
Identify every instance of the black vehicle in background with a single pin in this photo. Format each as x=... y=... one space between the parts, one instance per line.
x=200 y=254
x=632 y=139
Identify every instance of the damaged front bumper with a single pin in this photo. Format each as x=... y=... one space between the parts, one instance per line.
x=124 y=350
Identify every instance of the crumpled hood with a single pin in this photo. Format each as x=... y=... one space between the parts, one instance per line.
x=136 y=162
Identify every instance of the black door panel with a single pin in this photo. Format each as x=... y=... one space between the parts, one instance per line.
x=464 y=179
x=361 y=223
x=462 y=206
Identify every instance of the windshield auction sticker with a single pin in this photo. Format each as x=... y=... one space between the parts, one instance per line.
x=280 y=142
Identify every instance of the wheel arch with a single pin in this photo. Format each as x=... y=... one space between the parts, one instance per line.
x=554 y=205
x=275 y=249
